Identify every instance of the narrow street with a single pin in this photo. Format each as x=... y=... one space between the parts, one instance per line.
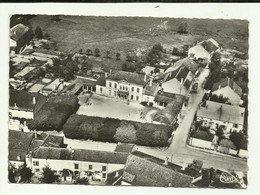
x=178 y=152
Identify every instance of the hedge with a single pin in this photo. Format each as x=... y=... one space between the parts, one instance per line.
x=115 y=130
x=54 y=113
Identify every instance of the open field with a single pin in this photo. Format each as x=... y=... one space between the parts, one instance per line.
x=125 y=34
x=107 y=107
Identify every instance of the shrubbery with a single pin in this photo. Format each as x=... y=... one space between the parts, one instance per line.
x=114 y=130
x=54 y=113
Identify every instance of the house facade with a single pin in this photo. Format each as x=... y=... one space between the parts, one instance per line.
x=125 y=86
x=22 y=107
x=20 y=36
x=98 y=164
x=228 y=89
x=214 y=115
x=204 y=49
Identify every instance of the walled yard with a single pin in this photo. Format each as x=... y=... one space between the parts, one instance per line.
x=104 y=107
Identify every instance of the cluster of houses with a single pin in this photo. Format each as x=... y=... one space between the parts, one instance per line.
x=229 y=116
x=119 y=167
x=168 y=91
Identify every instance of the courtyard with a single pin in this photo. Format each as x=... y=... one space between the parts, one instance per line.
x=97 y=105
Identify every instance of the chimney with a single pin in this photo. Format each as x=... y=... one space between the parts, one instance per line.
x=110 y=71
x=145 y=77
x=181 y=80
x=35 y=134
x=18 y=157
x=151 y=82
x=34 y=100
x=166 y=160
x=219 y=86
x=15 y=105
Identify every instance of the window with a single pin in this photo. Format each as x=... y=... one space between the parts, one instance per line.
x=100 y=89
x=120 y=87
x=109 y=92
x=126 y=88
x=110 y=85
x=137 y=90
x=235 y=125
x=104 y=175
x=132 y=97
x=90 y=167
x=35 y=163
x=76 y=172
x=115 y=85
x=114 y=93
x=37 y=170
x=76 y=166
x=137 y=98
x=104 y=168
x=123 y=87
x=133 y=89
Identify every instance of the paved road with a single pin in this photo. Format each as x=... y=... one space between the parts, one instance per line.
x=180 y=153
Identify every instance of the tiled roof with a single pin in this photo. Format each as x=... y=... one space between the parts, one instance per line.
x=229 y=113
x=18 y=31
x=166 y=97
x=101 y=80
x=170 y=112
x=124 y=147
x=227 y=82
x=80 y=155
x=187 y=62
x=151 y=90
x=209 y=45
x=24 y=100
x=53 y=141
x=130 y=77
x=19 y=143
x=145 y=170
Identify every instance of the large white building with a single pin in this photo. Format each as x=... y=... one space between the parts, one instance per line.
x=124 y=85
x=216 y=114
x=80 y=161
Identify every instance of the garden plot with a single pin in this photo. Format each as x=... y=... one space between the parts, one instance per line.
x=108 y=107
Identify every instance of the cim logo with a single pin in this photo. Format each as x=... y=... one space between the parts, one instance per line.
x=226 y=178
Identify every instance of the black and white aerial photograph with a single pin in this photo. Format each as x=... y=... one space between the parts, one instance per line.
x=128 y=101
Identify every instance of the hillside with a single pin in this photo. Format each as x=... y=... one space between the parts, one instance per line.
x=130 y=33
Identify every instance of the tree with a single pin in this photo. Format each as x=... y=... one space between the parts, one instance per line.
x=38 y=32
x=89 y=52
x=48 y=175
x=118 y=56
x=237 y=138
x=107 y=54
x=11 y=174
x=25 y=173
x=97 y=52
x=129 y=58
x=220 y=133
x=183 y=28
x=85 y=66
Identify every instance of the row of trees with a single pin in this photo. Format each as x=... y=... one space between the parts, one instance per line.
x=115 y=130
x=97 y=53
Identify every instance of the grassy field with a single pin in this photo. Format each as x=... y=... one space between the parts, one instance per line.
x=126 y=34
